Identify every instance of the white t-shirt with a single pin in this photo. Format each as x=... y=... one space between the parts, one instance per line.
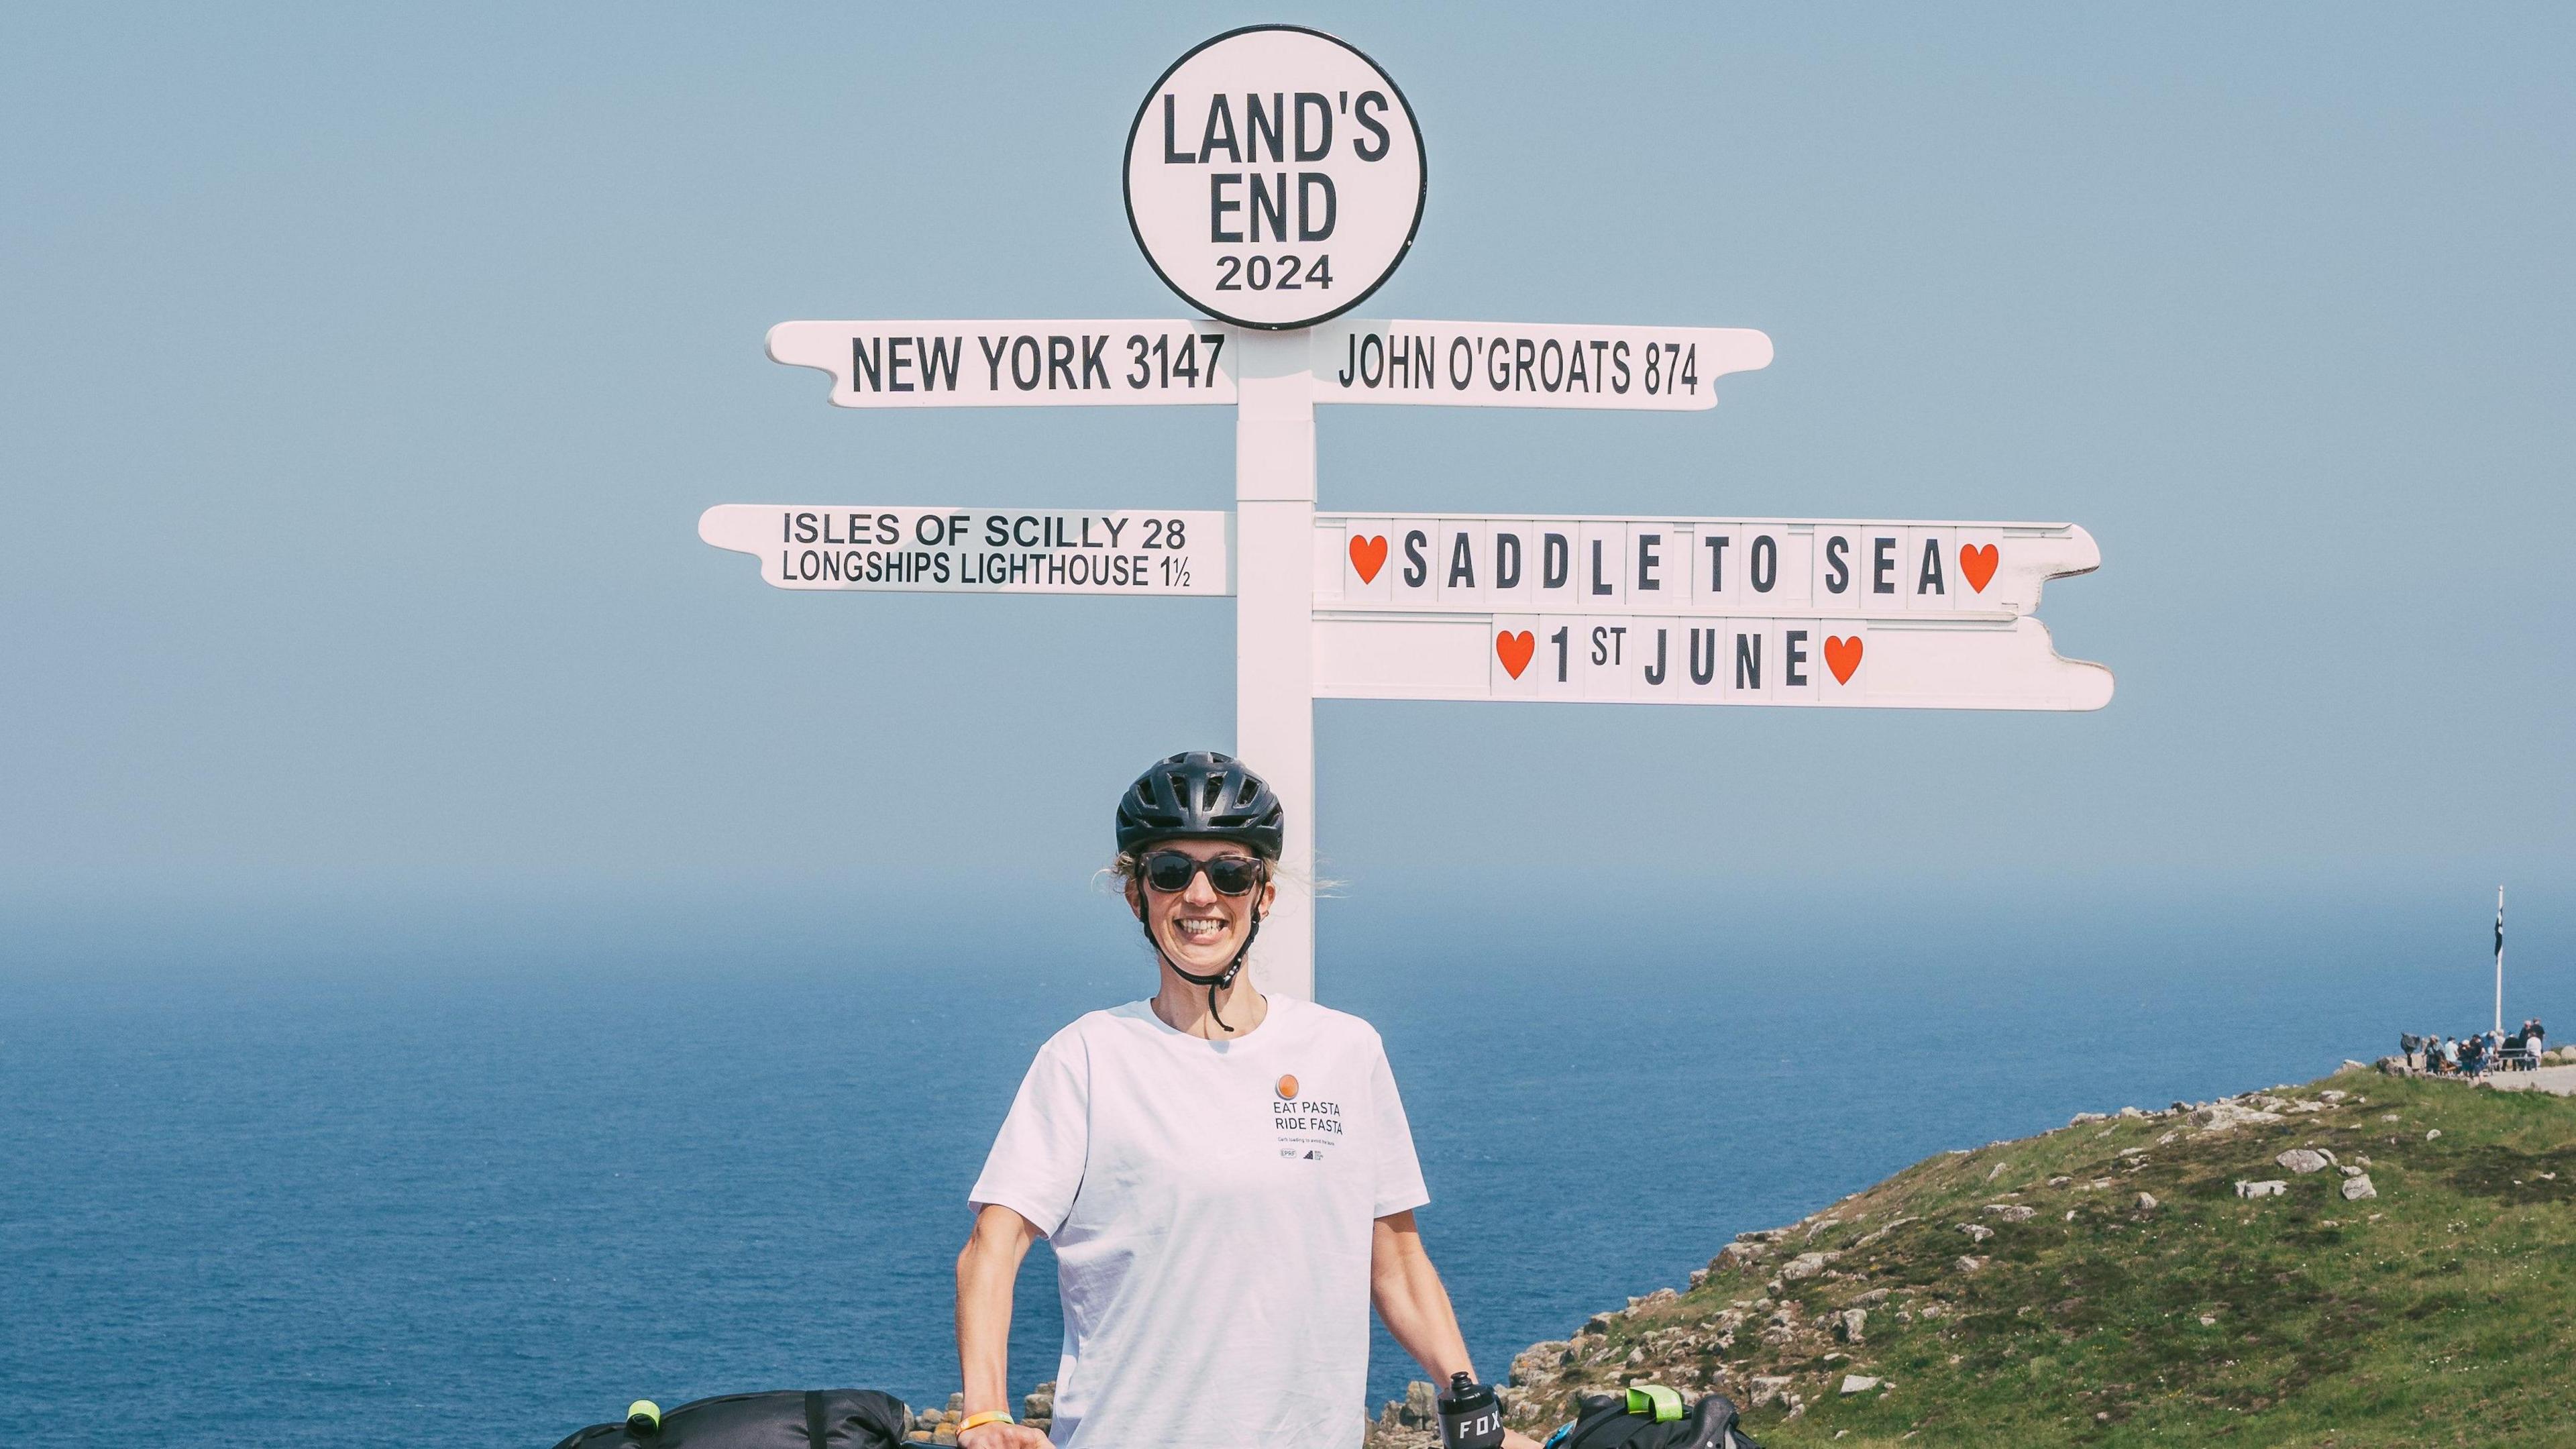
x=1211 y=1205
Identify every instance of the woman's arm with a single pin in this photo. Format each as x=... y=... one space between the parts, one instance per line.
x=1411 y=1301
x=986 y=1268
x=1415 y=1307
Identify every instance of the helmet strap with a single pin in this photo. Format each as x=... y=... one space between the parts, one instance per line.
x=1215 y=982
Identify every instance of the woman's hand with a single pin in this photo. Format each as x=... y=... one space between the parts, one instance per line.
x=1011 y=1436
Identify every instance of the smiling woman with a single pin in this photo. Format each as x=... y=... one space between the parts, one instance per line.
x=1226 y=1177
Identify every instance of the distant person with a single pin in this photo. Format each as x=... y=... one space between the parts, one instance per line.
x=2538 y=1036
x=2450 y=1054
x=1227 y=1177
x=2406 y=1045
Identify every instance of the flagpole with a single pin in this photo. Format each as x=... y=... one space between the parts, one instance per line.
x=2499 y=1015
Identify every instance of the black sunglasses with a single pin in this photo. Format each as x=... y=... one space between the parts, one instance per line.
x=1169 y=871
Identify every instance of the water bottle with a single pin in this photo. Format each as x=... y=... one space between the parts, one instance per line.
x=1469 y=1416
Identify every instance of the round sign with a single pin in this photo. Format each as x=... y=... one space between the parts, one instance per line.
x=1274 y=177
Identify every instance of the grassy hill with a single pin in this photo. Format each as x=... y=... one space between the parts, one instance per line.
x=2107 y=1284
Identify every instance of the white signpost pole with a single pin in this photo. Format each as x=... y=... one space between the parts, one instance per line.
x=1274 y=625
x=1275 y=177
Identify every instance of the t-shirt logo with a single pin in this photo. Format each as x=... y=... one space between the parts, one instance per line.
x=1288 y=1088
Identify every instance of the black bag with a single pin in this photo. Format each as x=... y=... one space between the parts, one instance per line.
x=1638 y=1421
x=784 y=1419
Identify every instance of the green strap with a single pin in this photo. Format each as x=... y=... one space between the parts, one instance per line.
x=1662 y=1402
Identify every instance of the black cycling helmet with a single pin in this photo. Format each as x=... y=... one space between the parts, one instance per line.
x=1201 y=795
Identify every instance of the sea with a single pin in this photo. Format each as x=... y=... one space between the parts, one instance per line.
x=290 y=1173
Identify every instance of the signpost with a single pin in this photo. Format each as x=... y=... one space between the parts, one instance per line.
x=1275 y=178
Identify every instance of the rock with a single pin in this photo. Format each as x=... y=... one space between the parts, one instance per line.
x=1660 y=1295
x=2432 y=1133
x=2131 y=1113
x=1969 y=1265
x=1858 y=1383
x=2012 y=1212
x=1872 y=1298
x=2332 y=1095
x=1597 y=1323
x=945 y=1434
x=2146 y=1202
x=1878 y=1233
x=1636 y=1355
x=2303 y=1160
x=1767 y=1389
x=1851 y=1324
x=2357 y=1188
x=2274 y=1188
x=1538 y=1358
x=2080 y=1118
x=2349 y=1170
x=1421 y=1404
x=1977 y=1232
x=1736 y=1256
x=2221 y=1116
x=1805 y=1266
x=1698 y=1276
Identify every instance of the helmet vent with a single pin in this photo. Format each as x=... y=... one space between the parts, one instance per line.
x=1200 y=796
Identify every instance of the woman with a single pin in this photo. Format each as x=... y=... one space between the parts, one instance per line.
x=1227 y=1177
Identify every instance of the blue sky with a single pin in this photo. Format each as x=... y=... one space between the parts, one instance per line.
x=367 y=370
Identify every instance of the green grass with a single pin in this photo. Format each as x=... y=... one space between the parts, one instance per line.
x=2439 y=1313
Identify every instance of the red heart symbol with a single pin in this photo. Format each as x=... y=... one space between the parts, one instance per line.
x=1842 y=655
x=1978 y=564
x=1513 y=649
x=1368 y=555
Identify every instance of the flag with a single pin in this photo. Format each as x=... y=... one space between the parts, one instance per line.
x=2499 y=925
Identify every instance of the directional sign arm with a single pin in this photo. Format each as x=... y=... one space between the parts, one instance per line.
x=969 y=550
x=1951 y=663
x=1057 y=363
x=1531 y=365
x=1411 y=562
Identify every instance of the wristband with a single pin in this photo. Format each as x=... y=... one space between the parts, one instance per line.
x=989 y=1416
